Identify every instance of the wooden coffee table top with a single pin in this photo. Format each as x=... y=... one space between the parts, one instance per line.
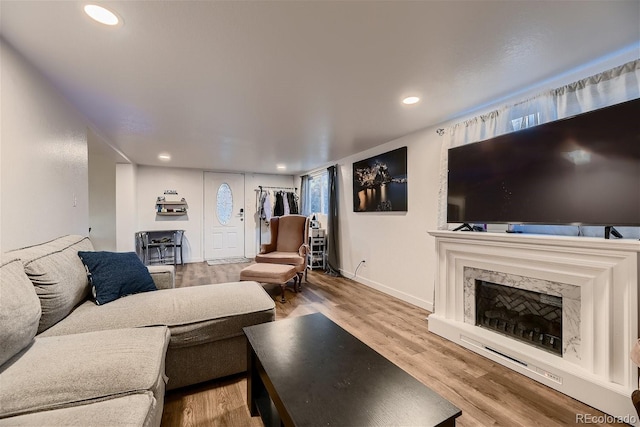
x=318 y=374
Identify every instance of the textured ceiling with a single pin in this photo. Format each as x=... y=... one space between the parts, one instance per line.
x=246 y=85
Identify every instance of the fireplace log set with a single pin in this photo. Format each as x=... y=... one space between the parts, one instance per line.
x=530 y=328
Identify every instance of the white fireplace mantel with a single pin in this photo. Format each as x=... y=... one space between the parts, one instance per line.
x=606 y=274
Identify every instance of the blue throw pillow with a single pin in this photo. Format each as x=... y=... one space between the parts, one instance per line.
x=115 y=274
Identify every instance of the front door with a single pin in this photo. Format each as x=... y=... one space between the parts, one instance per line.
x=223 y=215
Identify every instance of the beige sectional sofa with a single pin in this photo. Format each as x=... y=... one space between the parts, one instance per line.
x=66 y=361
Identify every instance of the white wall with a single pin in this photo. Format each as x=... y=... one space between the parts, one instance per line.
x=126 y=207
x=44 y=185
x=399 y=254
x=151 y=182
x=102 y=192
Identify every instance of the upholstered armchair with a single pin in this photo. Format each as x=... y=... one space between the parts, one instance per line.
x=289 y=243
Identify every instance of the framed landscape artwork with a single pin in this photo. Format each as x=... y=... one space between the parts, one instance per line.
x=380 y=183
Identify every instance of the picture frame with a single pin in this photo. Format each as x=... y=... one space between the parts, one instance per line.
x=380 y=183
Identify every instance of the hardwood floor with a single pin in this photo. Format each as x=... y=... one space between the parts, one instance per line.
x=487 y=393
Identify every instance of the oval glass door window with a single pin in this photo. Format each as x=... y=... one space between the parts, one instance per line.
x=224 y=203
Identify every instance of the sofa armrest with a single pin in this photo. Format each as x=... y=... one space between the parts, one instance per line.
x=163 y=276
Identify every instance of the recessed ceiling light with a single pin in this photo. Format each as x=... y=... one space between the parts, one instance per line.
x=164 y=157
x=281 y=167
x=410 y=100
x=102 y=15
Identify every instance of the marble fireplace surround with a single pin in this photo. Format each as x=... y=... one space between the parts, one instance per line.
x=570 y=295
x=597 y=278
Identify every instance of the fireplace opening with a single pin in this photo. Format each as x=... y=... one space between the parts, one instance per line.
x=528 y=316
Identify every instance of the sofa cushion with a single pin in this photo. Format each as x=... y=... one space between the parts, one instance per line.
x=19 y=308
x=115 y=274
x=132 y=410
x=195 y=315
x=71 y=370
x=58 y=275
x=278 y=257
x=268 y=273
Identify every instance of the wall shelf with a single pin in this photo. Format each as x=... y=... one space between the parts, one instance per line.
x=171 y=208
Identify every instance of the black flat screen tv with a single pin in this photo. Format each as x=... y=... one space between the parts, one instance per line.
x=581 y=170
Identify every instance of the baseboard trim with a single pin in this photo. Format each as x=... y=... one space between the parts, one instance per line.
x=419 y=302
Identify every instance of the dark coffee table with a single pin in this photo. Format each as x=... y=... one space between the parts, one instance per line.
x=308 y=371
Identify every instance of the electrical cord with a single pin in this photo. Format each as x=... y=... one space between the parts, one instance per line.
x=359 y=264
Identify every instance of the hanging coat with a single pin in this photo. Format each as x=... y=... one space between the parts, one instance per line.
x=261 y=201
x=285 y=199
x=278 y=209
x=293 y=203
x=265 y=207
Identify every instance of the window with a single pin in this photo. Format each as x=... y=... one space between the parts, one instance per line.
x=318 y=194
x=224 y=204
x=526 y=121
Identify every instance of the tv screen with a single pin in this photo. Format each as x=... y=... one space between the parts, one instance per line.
x=580 y=170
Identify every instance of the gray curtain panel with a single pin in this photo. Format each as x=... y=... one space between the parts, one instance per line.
x=333 y=236
x=304 y=194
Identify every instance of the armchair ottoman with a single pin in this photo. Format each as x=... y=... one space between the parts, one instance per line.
x=279 y=274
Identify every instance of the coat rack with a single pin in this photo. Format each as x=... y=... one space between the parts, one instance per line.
x=261 y=187
x=260 y=191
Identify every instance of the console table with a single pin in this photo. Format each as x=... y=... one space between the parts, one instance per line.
x=166 y=244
